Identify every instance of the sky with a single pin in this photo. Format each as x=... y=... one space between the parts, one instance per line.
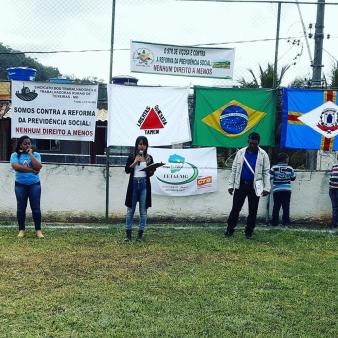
x=250 y=28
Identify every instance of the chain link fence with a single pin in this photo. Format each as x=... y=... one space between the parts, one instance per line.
x=76 y=38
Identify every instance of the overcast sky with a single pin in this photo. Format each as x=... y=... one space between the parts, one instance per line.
x=250 y=28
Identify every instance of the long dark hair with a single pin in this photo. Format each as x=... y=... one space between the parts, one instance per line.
x=145 y=142
x=18 y=145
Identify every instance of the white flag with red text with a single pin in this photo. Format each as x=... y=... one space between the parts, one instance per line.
x=159 y=113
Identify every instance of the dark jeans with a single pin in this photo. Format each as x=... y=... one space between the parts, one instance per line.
x=240 y=194
x=281 y=199
x=333 y=193
x=23 y=193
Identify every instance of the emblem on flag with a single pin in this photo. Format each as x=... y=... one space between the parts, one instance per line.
x=152 y=119
x=323 y=119
x=233 y=119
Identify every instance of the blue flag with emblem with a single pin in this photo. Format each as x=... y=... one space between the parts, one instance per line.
x=310 y=119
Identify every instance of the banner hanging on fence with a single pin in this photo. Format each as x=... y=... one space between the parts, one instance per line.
x=163 y=59
x=159 y=113
x=186 y=171
x=310 y=119
x=224 y=117
x=54 y=110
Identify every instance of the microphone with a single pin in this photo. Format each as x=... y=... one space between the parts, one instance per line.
x=140 y=153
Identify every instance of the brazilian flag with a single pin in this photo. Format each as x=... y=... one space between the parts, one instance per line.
x=224 y=117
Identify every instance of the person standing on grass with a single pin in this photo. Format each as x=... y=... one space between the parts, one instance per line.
x=281 y=174
x=249 y=178
x=139 y=188
x=333 y=193
x=27 y=165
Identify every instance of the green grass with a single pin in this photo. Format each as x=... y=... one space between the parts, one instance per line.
x=187 y=282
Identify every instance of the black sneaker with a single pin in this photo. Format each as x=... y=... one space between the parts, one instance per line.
x=227 y=234
x=247 y=236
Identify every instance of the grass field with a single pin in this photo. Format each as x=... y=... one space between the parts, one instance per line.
x=180 y=282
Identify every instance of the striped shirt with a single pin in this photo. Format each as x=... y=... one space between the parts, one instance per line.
x=334 y=177
x=282 y=174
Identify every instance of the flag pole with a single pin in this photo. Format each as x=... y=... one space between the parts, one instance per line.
x=109 y=81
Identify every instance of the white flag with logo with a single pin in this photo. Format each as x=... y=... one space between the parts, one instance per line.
x=185 y=172
x=159 y=113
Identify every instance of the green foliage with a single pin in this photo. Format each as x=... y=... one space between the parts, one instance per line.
x=334 y=77
x=298 y=159
x=14 y=58
x=184 y=282
x=86 y=80
x=299 y=82
x=225 y=157
x=265 y=78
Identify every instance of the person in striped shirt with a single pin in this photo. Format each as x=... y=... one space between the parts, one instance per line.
x=333 y=193
x=282 y=174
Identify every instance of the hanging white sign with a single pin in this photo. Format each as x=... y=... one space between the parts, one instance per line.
x=161 y=59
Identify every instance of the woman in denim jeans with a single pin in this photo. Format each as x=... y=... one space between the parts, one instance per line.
x=27 y=165
x=139 y=188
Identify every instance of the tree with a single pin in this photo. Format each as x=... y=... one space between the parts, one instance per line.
x=14 y=58
x=334 y=76
x=300 y=82
x=265 y=78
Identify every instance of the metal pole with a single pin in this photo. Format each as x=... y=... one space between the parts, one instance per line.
x=109 y=81
x=317 y=67
x=107 y=184
x=274 y=86
x=112 y=42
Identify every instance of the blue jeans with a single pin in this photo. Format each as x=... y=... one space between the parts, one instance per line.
x=139 y=195
x=333 y=193
x=281 y=199
x=23 y=193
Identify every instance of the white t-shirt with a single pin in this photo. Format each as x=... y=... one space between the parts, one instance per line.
x=137 y=168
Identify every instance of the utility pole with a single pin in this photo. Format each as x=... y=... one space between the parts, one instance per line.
x=317 y=67
x=318 y=52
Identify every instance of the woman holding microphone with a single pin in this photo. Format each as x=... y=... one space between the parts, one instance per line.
x=139 y=188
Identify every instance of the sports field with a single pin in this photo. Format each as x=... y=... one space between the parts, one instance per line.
x=182 y=281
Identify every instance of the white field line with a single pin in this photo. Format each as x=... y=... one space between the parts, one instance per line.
x=188 y=227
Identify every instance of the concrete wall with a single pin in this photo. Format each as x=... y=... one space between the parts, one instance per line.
x=78 y=194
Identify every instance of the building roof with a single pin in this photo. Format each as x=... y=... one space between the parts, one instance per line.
x=5 y=90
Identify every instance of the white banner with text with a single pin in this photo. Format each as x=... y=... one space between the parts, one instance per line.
x=185 y=172
x=162 y=59
x=54 y=110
